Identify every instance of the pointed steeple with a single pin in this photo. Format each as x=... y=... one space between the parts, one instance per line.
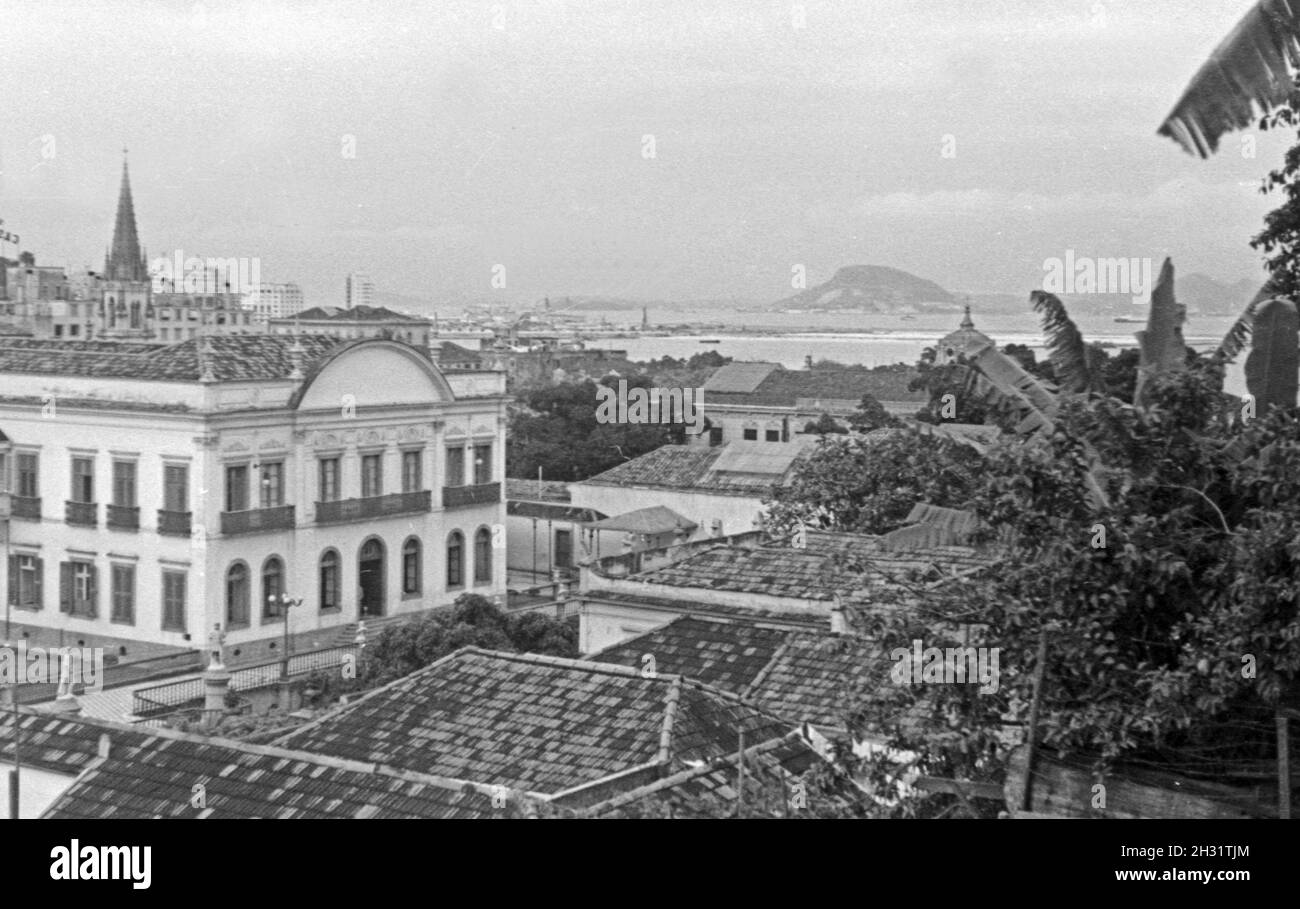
x=967 y=322
x=125 y=261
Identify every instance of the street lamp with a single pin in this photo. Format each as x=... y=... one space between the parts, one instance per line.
x=286 y=603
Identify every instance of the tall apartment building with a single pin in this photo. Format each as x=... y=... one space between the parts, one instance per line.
x=273 y=301
x=156 y=491
x=360 y=290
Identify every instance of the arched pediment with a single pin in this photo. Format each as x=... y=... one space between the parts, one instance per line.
x=373 y=371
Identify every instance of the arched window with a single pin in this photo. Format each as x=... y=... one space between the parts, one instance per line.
x=455 y=559
x=482 y=555
x=329 y=580
x=411 y=566
x=272 y=587
x=237 y=595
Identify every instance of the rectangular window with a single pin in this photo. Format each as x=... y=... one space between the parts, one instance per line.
x=28 y=465
x=83 y=480
x=173 y=615
x=456 y=466
x=328 y=469
x=774 y=435
x=77 y=595
x=411 y=479
x=751 y=435
x=372 y=475
x=124 y=594
x=237 y=487
x=272 y=484
x=4 y=471
x=482 y=464
x=124 y=483
x=176 y=487
x=25 y=573
x=564 y=549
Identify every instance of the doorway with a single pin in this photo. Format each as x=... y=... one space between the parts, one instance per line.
x=370 y=578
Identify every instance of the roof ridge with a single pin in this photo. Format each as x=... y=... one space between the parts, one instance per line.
x=681 y=776
x=664 y=755
x=763 y=673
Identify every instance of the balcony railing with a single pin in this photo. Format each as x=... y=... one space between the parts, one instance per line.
x=480 y=494
x=174 y=523
x=124 y=517
x=85 y=513
x=373 y=507
x=23 y=507
x=257 y=520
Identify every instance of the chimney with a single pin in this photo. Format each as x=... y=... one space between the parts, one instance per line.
x=839 y=625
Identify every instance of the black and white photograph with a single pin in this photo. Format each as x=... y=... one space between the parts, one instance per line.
x=832 y=410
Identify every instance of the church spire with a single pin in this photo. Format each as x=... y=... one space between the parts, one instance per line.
x=125 y=260
x=967 y=322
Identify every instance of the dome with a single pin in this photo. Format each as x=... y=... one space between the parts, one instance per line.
x=962 y=342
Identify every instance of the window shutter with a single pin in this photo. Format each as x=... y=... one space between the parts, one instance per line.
x=39 y=586
x=13 y=580
x=93 y=605
x=65 y=587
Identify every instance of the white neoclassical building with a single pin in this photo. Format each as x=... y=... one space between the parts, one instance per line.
x=154 y=491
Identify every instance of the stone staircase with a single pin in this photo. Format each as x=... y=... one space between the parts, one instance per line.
x=375 y=625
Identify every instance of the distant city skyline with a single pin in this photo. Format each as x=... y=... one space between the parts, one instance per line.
x=693 y=151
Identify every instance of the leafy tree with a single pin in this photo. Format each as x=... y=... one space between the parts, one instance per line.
x=473 y=621
x=825 y=425
x=869 y=486
x=556 y=429
x=871 y=414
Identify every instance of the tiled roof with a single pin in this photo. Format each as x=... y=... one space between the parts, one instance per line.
x=49 y=742
x=353 y=314
x=775 y=784
x=543 y=724
x=533 y=491
x=827 y=564
x=803 y=675
x=655 y=519
x=153 y=773
x=230 y=357
x=691 y=467
x=727 y=654
x=689 y=605
x=738 y=378
x=455 y=353
x=803 y=387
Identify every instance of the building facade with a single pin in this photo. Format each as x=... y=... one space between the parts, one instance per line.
x=158 y=491
x=359 y=290
x=273 y=301
x=356 y=322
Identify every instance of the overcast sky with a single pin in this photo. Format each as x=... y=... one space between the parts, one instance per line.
x=498 y=133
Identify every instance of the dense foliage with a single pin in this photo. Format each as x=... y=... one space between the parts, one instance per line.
x=1170 y=617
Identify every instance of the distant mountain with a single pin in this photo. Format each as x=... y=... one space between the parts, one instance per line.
x=871 y=288
x=1213 y=297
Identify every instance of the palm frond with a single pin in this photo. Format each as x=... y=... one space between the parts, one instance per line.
x=1248 y=74
x=1071 y=358
x=1162 y=346
x=1273 y=366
